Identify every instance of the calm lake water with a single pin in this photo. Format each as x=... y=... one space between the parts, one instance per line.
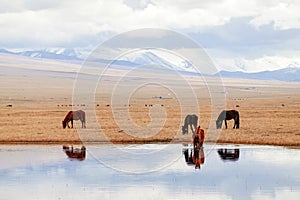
x=151 y=171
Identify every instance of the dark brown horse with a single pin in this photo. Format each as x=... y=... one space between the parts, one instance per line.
x=191 y=120
x=228 y=115
x=74 y=115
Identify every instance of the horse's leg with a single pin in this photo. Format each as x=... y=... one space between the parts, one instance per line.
x=83 y=124
x=191 y=126
x=72 y=122
x=83 y=119
x=225 y=123
x=237 y=122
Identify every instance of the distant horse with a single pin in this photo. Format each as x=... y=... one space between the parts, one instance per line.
x=191 y=120
x=74 y=115
x=228 y=115
x=75 y=153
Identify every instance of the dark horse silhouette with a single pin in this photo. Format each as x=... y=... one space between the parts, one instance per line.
x=74 y=115
x=75 y=153
x=229 y=154
x=191 y=120
x=228 y=115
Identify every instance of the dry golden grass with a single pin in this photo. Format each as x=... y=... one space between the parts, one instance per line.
x=269 y=113
x=265 y=121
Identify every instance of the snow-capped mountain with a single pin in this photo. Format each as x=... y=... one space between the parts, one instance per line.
x=58 y=54
x=236 y=69
x=148 y=57
x=291 y=73
x=52 y=53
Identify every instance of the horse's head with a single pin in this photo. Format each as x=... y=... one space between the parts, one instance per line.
x=184 y=129
x=219 y=124
x=64 y=124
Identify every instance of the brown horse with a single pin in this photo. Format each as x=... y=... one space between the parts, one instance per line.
x=74 y=115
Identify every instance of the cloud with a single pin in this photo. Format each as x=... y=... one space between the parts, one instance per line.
x=229 y=29
x=46 y=23
x=283 y=15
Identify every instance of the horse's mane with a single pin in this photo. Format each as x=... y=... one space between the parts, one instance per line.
x=68 y=116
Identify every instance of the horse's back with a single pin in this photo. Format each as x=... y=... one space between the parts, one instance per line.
x=191 y=118
x=229 y=114
x=233 y=112
x=78 y=115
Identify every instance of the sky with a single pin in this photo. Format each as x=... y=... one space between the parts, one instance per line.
x=237 y=34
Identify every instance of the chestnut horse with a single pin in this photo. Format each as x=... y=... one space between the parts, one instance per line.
x=74 y=115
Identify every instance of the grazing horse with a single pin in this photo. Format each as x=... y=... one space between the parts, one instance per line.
x=74 y=115
x=191 y=120
x=228 y=115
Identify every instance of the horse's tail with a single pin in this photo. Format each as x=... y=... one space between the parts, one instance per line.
x=237 y=120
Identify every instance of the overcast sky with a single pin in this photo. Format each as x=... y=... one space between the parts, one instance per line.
x=234 y=32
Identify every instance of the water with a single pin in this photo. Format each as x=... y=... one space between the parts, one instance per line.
x=149 y=172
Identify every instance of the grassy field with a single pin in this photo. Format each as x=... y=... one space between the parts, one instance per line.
x=33 y=104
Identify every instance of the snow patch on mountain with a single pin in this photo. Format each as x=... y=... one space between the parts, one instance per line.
x=161 y=58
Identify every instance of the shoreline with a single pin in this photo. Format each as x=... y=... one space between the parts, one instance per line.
x=128 y=142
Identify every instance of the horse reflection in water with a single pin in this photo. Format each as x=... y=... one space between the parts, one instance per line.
x=229 y=154
x=194 y=157
x=75 y=153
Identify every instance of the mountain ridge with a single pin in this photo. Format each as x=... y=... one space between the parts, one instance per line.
x=291 y=73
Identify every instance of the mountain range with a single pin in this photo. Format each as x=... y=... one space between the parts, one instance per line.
x=55 y=53
x=291 y=73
